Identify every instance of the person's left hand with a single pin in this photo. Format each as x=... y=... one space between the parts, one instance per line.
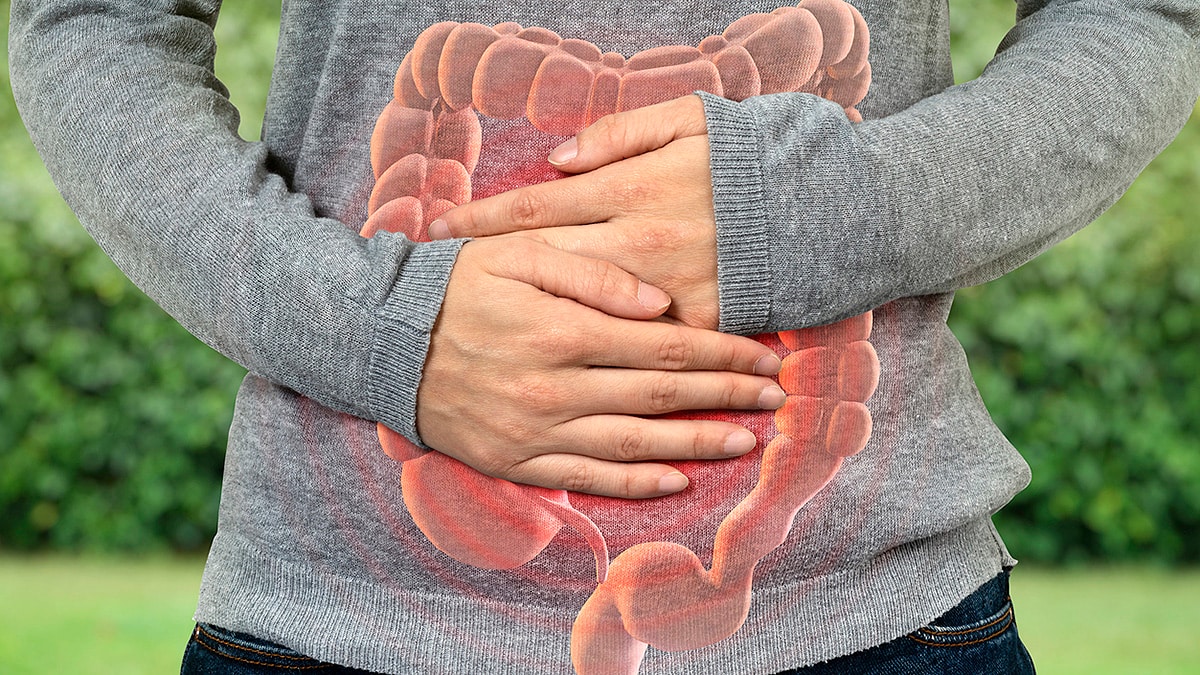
x=642 y=200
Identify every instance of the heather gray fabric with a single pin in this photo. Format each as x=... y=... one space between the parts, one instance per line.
x=253 y=247
x=945 y=189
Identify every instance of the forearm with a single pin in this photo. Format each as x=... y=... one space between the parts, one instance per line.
x=140 y=138
x=819 y=219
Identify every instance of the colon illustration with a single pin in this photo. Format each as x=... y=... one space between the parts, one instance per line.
x=424 y=152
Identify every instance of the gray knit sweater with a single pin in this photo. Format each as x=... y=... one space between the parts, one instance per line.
x=256 y=249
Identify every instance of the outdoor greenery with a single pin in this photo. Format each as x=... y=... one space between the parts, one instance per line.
x=82 y=616
x=1087 y=359
x=95 y=616
x=113 y=419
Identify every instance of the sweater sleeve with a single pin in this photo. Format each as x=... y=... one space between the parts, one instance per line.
x=122 y=103
x=819 y=219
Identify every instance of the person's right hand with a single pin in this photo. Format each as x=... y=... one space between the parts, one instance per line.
x=541 y=361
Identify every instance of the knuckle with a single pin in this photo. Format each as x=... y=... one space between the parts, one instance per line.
x=577 y=478
x=675 y=351
x=516 y=432
x=632 y=446
x=628 y=485
x=664 y=236
x=605 y=279
x=556 y=342
x=610 y=131
x=701 y=444
x=629 y=192
x=663 y=396
x=527 y=209
x=533 y=395
x=731 y=395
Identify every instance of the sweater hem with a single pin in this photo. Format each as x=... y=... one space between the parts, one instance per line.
x=326 y=616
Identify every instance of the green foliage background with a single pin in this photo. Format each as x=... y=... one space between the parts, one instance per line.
x=1087 y=359
x=113 y=418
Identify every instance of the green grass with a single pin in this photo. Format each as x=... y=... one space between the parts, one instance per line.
x=1110 y=621
x=88 y=615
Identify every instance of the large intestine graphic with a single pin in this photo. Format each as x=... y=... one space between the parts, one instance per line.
x=424 y=151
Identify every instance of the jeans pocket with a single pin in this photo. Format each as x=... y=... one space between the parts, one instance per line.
x=974 y=633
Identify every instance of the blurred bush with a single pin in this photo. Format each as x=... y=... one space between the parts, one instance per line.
x=113 y=419
x=1087 y=358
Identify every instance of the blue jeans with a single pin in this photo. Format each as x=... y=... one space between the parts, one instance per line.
x=977 y=637
x=216 y=651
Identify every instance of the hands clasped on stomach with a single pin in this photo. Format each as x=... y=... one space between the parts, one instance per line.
x=545 y=361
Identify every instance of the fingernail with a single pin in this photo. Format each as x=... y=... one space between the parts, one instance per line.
x=564 y=152
x=651 y=297
x=740 y=442
x=768 y=365
x=672 y=482
x=771 y=398
x=438 y=229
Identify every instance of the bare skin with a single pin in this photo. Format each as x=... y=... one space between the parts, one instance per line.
x=643 y=189
x=554 y=402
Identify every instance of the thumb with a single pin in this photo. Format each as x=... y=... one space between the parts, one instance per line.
x=632 y=132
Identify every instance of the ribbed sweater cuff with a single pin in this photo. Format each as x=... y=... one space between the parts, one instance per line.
x=403 y=327
x=743 y=253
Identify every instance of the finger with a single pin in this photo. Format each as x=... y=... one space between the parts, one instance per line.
x=595 y=283
x=614 y=241
x=575 y=200
x=633 y=132
x=627 y=439
x=656 y=392
x=654 y=345
x=581 y=473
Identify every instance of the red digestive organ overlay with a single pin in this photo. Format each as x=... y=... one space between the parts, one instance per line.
x=424 y=151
